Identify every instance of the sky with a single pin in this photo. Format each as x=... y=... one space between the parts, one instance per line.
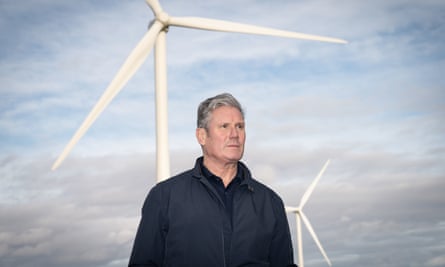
x=375 y=107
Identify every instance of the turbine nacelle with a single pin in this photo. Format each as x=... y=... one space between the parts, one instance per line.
x=164 y=18
x=292 y=209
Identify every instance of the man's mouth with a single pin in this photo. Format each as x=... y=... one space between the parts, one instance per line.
x=234 y=145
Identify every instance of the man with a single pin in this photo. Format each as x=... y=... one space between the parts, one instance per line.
x=216 y=214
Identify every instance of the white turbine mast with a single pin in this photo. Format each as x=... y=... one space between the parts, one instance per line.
x=156 y=37
x=300 y=216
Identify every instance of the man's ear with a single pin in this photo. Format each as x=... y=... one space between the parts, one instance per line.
x=201 y=135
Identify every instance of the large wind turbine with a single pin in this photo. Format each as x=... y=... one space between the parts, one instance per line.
x=299 y=215
x=156 y=37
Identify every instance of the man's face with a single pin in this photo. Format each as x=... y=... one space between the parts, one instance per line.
x=223 y=141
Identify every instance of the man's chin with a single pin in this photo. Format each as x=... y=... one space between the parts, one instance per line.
x=235 y=157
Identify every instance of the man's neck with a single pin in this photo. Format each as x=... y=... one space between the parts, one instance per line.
x=225 y=171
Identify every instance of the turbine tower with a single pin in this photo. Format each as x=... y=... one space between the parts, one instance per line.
x=300 y=216
x=156 y=37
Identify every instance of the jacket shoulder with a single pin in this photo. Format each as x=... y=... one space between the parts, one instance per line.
x=162 y=191
x=266 y=192
x=174 y=181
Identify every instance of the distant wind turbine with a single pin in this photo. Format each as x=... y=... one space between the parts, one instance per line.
x=299 y=215
x=156 y=37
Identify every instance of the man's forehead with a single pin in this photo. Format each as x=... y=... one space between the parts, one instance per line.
x=227 y=114
x=226 y=111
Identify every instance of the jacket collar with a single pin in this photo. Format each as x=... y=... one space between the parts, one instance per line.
x=247 y=181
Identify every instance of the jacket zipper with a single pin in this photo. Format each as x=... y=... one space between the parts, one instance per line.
x=215 y=194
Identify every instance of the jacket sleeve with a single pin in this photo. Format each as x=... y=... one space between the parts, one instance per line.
x=281 y=251
x=148 y=247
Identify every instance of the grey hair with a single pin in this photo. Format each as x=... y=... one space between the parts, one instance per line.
x=207 y=106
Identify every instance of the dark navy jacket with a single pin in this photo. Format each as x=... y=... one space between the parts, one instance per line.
x=184 y=219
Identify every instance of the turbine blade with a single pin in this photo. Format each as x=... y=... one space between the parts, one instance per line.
x=311 y=187
x=128 y=69
x=314 y=236
x=155 y=6
x=226 y=26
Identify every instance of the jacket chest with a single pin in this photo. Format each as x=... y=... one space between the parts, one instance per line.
x=201 y=212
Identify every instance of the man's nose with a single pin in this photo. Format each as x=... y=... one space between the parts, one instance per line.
x=234 y=132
